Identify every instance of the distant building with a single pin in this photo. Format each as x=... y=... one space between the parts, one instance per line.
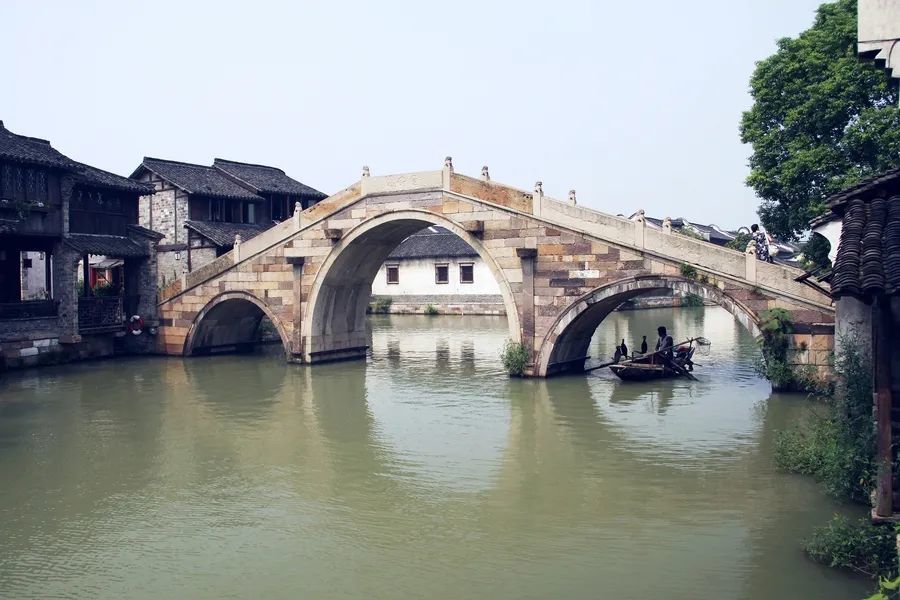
x=200 y=209
x=57 y=218
x=786 y=252
x=436 y=267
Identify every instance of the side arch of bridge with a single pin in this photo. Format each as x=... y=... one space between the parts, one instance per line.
x=565 y=346
x=230 y=320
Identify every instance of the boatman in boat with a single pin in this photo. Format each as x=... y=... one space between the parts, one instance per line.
x=665 y=343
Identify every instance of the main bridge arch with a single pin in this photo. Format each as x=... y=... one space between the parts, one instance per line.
x=334 y=324
x=564 y=347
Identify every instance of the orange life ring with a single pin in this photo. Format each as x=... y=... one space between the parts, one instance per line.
x=135 y=325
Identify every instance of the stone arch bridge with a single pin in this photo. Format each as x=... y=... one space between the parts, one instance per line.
x=561 y=269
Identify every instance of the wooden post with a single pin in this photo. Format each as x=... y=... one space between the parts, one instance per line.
x=881 y=354
x=86 y=275
x=48 y=273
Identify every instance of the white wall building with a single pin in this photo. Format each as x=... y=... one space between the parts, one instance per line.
x=436 y=267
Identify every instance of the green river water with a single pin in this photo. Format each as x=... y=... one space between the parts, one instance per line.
x=423 y=472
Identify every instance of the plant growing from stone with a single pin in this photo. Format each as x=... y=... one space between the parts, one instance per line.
x=689 y=271
x=431 y=310
x=515 y=358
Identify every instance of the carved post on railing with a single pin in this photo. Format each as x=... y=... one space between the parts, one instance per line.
x=537 y=200
x=572 y=200
x=750 y=256
x=640 y=227
x=298 y=208
x=237 y=247
x=667 y=225
x=485 y=174
x=364 y=180
x=447 y=173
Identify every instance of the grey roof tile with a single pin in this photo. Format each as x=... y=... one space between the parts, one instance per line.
x=222 y=234
x=267 y=180
x=197 y=179
x=109 y=245
x=433 y=242
x=31 y=150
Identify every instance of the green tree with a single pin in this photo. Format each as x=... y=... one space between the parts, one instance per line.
x=822 y=119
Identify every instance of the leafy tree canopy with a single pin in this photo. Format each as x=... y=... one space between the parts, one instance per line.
x=822 y=119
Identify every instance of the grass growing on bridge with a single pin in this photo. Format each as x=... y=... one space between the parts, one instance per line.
x=689 y=271
x=515 y=358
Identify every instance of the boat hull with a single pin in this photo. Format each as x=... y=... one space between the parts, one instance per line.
x=638 y=372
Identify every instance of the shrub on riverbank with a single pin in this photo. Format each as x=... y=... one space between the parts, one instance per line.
x=514 y=357
x=773 y=364
x=858 y=546
x=837 y=445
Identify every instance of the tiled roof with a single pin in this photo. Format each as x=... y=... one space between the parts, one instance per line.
x=109 y=245
x=222 y=234
x=31 y=150
x=268 y=180
x=874 y=183
x=432 y=242
x=868 y=257
x=196 y=179
x=98 y=177
x=21 y=148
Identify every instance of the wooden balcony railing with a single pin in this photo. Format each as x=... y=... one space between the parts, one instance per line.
x=28 y=309
x=99 y=312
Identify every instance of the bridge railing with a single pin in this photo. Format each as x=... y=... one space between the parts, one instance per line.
x=273 y=236
x=618 y=230
x=702 y=254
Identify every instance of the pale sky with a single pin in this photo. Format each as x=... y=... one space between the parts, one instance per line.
x=633 y=104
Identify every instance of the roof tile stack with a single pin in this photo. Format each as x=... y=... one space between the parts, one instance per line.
x=868 y=259
x=892 y=242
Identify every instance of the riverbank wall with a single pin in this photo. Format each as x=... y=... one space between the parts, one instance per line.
x=41 y=347
x=448 y=304
x=668 y=301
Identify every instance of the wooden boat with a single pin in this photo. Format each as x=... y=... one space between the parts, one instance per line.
x=637 y=371
x=650 y=366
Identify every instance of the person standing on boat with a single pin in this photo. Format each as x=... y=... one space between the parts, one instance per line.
x=664 y=343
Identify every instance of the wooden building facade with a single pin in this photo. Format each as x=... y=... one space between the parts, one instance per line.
x=199 y=209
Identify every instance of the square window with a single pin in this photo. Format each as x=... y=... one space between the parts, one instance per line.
x=467 y=273
x=441 y=273
x=393 y=273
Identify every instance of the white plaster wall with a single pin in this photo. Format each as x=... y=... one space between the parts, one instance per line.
x=831 y=231
x=417 y=278
x=34 y=279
